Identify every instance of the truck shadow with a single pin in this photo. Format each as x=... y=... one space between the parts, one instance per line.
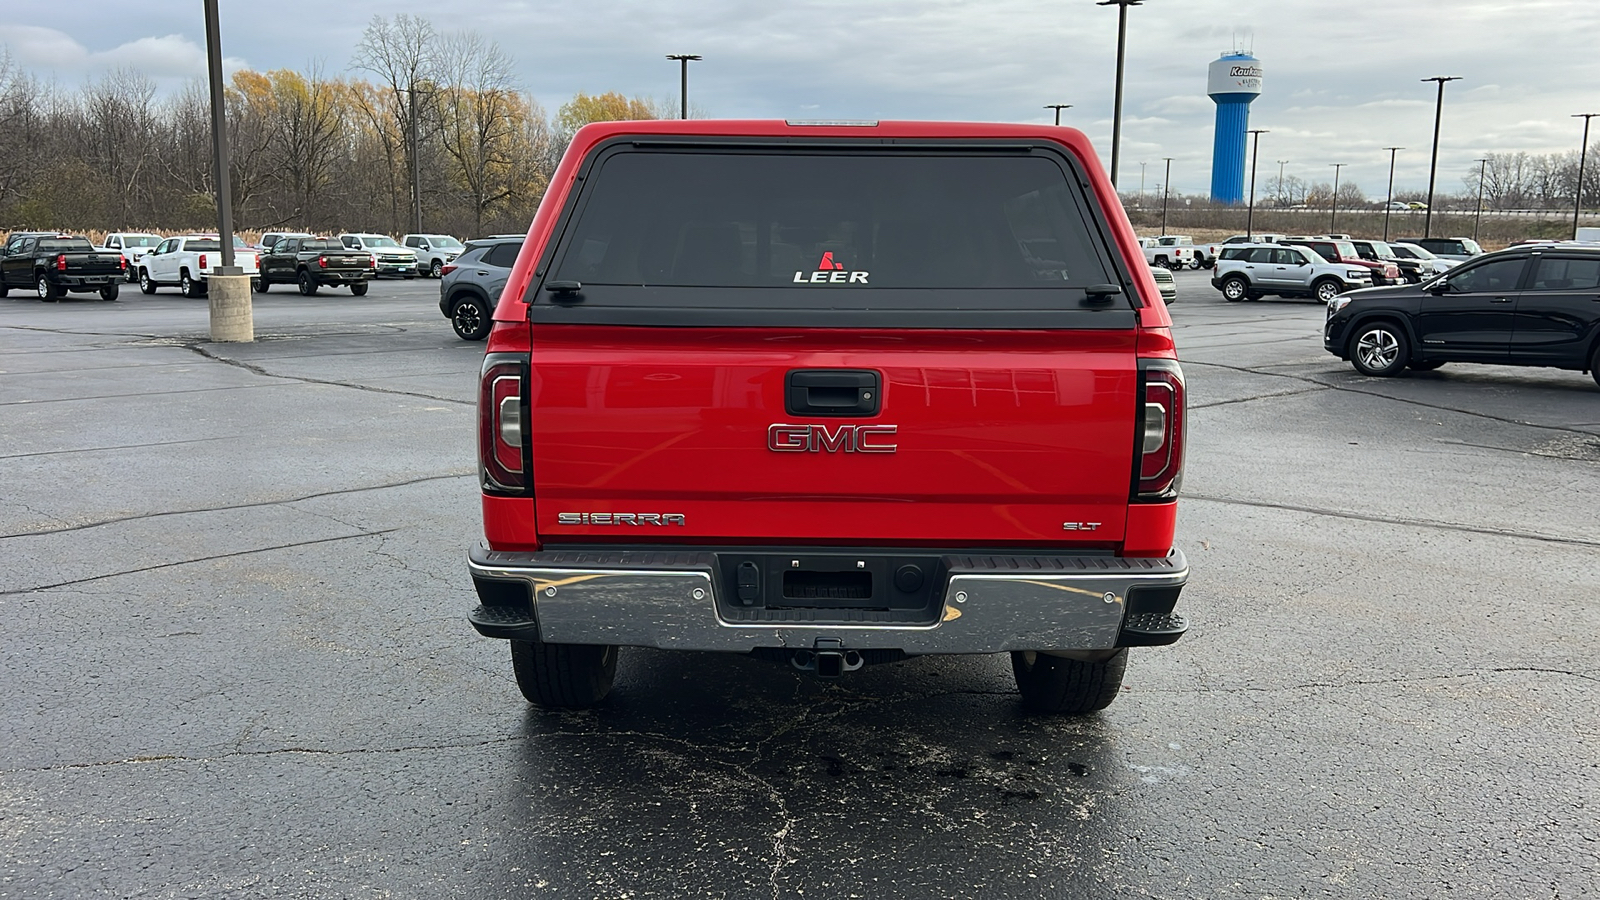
x=727 y=776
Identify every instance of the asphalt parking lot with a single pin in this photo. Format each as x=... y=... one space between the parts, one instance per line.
x=236 y=663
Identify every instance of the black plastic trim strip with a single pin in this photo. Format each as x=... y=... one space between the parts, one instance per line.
x=724 y=317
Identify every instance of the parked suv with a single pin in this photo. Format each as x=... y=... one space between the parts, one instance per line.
x=470 y=287
x=388 y=257
x=1252 y=271
x=1341 y=250
x=1528 y=306
x=752 y=388
x=1411 y=270
x=1458 y=249
x=434 y=251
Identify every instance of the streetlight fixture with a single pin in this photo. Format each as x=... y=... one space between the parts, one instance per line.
x=1482 y=165
x=1433 y=166
x=1122 y=46
x=1390 y=201
x=683 y=59
x=1577 y=204
x=1058 y=107
x=1334 y=216
x=1250 y=211
x=1166 y=191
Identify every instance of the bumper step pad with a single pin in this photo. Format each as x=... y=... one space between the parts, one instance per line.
x=1152 y=629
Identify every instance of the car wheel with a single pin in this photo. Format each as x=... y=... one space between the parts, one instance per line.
x=1235 y=289
x=1379 y=349
x=187 y=286
x=145 y=284
x=1594 y=366
x=470 y=320
x=1326 y=290
x=1425 y=365
x=4 y=290
x=1162 y=261
x=259 y=285
x=308 y=286
x=47 y=291
x=1057 y=685
x=359 y=289
x=110 y=291
x=1197 y=263
x=563 y=676
x=133 y=275
x=437 y=269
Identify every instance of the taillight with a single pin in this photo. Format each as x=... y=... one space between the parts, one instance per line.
x=202 y=260
x=61 y=262
x=124 y=261
x=322 y=262
x=1162 y=415
x=501 y=436
x=372 y=262
x=446 y=269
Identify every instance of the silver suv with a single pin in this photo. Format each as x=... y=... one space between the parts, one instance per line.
x=470 y=287
x=1252 y=271
x=434 y=251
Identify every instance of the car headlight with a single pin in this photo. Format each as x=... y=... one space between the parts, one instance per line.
x=1357 y=273
x=1339 y=302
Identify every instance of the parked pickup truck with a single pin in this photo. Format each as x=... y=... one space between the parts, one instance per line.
x=52 y=265
x=188 y=260
x=752 y=388
x=1171 y=256
x=132 y=245
x=310 y=263
x=1203 y=256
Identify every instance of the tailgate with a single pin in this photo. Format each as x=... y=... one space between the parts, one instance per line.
x=105 y=263
x=996 y=436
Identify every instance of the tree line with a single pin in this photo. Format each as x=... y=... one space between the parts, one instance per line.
x=308 y=150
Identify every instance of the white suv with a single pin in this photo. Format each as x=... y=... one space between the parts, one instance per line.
x=1251 y=271
x=434 y=251
x=388 y=257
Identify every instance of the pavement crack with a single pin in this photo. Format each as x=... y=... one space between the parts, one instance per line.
x=187 y=562
x=253 y=505
x=276 y=751
x=1397 y=520
x=304 y=379
x=1311 y=390
x=1369 y=682
x=118 y=447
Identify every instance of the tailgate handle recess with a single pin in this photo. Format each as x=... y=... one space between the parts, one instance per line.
x=833 y=392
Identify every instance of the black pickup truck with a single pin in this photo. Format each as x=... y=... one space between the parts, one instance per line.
x=311 y=263
x=54 y=264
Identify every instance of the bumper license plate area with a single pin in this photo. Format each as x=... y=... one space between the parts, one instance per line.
x=866 y=588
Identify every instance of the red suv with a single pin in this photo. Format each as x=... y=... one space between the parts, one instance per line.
x=1384 y=271
x=830 y=394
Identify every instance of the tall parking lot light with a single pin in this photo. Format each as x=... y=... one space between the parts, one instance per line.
x=227 y=285
x=1058 y=107
x=1433 y=165
x=1577 y=203
x=1166 y=191
x=1334 y=216
x=1250 y=211
x=1390 y=200
x=1116 y=111
x=1482 y=166
x=683 y=60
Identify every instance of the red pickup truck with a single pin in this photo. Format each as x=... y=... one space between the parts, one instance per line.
x=830 y=394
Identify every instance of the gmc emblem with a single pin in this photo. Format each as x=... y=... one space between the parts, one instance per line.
x=843 y=439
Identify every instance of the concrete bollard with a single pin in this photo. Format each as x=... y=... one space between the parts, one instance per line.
x=230 y=308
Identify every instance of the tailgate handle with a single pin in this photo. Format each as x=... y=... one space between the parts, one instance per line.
x=833 y=392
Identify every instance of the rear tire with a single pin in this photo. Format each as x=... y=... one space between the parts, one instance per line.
x=260 y=285
x=47 y=291
x=145 y=284
x=188 y=287
x=1327 y=290
x=110 y=291
x=1055 y=685
x=1594 y=364
x=563 y=676
x=1379 y=350
x=1235 y=288
x=308 y=285
x=359 y=290
x=470 y=320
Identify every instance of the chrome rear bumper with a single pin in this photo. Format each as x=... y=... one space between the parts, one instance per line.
x=668 y=600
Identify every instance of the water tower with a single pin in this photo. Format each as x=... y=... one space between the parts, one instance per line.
x=1235 y=81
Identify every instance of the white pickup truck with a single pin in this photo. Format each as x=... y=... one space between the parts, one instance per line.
x=1167 y=255
x=132 y=245
x=187 y=261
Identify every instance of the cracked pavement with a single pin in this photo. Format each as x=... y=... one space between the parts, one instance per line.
x=236 y=662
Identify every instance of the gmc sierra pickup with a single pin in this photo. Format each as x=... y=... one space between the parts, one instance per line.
x=830 y=394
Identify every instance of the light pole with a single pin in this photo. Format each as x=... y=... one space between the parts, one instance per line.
x=1334 y=216
x=1116 y=111
x=1577 y=205
x=1141 y=185
x=229 y=289
x=1250 y=211
x=1433 y=165
x=1482 y=165
x=683 y=59
x=1281 y=164
x=1166 y=191
x=1058 y=107
x=1390 y=201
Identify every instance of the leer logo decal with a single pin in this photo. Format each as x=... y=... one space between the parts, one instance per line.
x=830 y=271
x=819 y=439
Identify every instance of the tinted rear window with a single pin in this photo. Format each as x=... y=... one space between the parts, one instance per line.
x=321 y=246
x=65 y=245
x=796 y=221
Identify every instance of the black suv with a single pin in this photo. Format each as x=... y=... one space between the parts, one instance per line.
x=1526 y=306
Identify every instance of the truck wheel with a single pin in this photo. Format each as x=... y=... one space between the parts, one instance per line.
x=1162 y=261
x=308 y=285
x=1594 y=363
x=1197 y=263
x=1235 y=289
x=133 y=275
x=359 y=289
x=563 y=676
x=437 y=269
x=188 y=287
x=47 y=291
x=1326 y=290
x=4 y=290
x=110 y=291
x=1379 y=349
x=260 y=285
x=145 y=284
x=469 y=320
x=1056 y=685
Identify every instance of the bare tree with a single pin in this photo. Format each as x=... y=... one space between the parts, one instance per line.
x=402 y=53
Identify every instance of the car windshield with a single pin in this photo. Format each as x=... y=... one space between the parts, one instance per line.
x=140 y=240
x=1414 y=250
x=444 y=241
x=1381 y=250
x=380 y=242
x=65 y=245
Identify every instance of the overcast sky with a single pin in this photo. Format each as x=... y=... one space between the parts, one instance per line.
x=1339 y=86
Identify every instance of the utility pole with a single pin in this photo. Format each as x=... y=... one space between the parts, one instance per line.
x=1058 y=107
x=1332 y=218
x=416 y=164
x=1141 y=185
x=1166 y=191
x=1116 y=112
x=1583 y=157
x=1476 y=220
x=1281 y=164
x=1433 y=166
x=683 y=59
x=229 y=289
x=1250 y=212
x=1389 y=202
